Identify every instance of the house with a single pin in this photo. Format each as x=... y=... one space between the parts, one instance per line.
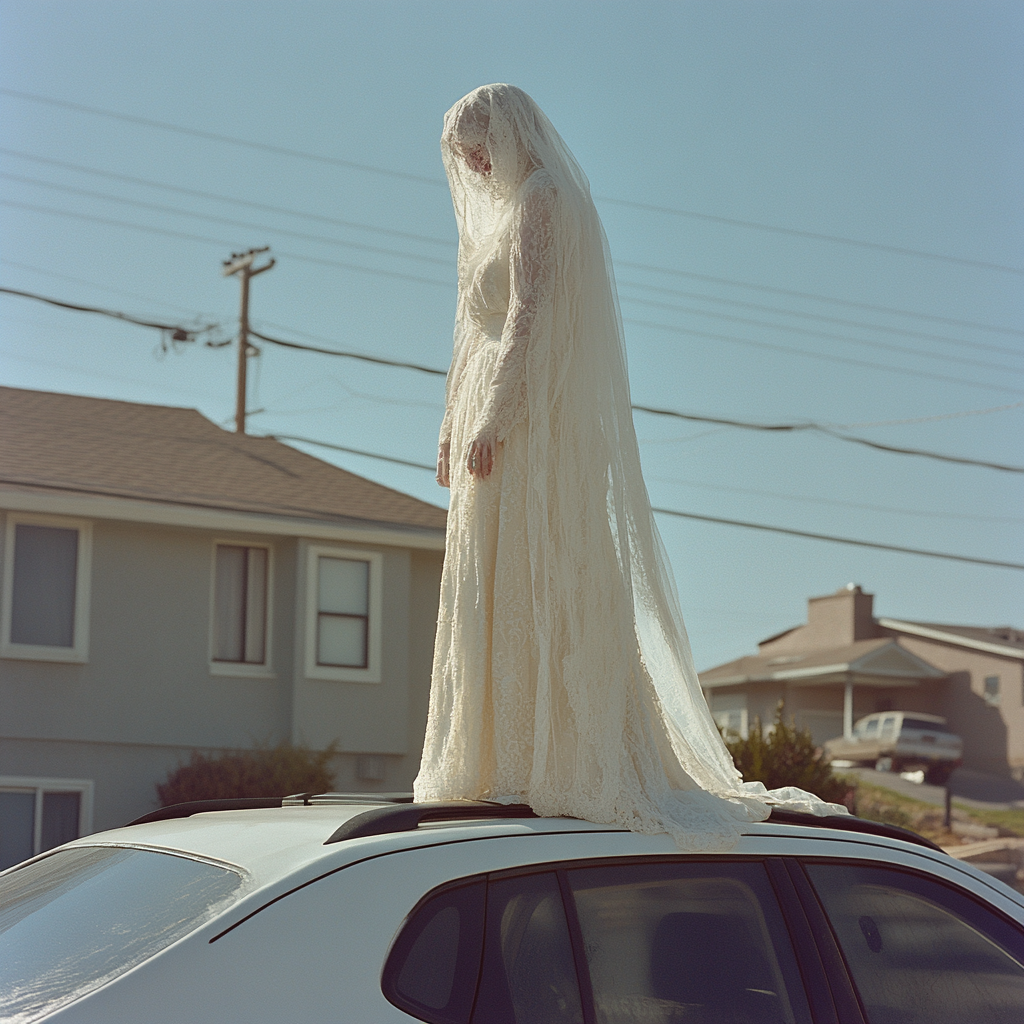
x=168 y=586
x=845 y=663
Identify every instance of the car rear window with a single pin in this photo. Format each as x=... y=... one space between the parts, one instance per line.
x=80 y=917
x=920 y=723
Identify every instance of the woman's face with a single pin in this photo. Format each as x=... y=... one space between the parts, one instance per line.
x=477 y=158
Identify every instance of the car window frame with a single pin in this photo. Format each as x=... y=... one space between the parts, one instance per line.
x=813 y=902
x=827 y=987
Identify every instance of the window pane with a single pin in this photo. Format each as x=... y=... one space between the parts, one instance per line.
x=229 y=603
x=80 y=917
x=919 y=950
x=433 y=969
x=256 y=606
x=341 y=640
x=45 y=571
x=344 y=586
x=694 y=941
x=17 y=818
x=528 y=974
x=60 y=819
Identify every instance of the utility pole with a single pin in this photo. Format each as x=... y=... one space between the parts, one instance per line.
x=241 y=263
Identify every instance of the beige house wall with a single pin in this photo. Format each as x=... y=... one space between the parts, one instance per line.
x=993 y=734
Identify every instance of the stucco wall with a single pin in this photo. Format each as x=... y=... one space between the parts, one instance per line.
x=993 y=735
x=147 y=696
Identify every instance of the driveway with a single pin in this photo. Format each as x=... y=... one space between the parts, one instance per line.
x=976 y=789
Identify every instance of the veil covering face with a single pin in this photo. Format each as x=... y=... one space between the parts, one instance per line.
x=621 y=731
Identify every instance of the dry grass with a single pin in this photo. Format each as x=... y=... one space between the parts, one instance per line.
x=875 y=803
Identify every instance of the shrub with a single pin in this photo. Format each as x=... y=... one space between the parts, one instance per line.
x=262 y=771
x=786 y=756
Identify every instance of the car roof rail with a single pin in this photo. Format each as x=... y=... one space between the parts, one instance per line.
x=190 y=807
x=849 y=823
x=249 y=803
x=328 y=799
x=404 y=818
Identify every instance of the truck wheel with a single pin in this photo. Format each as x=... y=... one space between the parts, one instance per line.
x=883 y=764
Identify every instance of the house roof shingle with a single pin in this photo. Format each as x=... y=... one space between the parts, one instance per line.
x=173 y=455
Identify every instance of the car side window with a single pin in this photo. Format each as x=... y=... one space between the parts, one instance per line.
x=529 y=974
x=433 y=967
x=448 y=966
x=919 y=950
x=687 y=941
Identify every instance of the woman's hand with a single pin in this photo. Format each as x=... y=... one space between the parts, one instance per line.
x=444 y=456
x=480 y=460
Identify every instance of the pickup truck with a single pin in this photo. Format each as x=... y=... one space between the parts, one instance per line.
x=900 y=741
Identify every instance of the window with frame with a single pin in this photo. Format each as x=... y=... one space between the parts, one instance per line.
x=46 y=588
x=344 y=611
x=614 y=944
x=241 y=585
x=38 y=814
x=992 y=691
x=921 y=950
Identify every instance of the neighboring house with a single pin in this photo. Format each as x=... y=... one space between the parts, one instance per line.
x=844 y=664
x=169 y=586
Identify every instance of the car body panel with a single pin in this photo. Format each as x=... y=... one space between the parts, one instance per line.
x=309 y=940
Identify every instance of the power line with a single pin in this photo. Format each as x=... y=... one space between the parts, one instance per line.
x=418 y=367
x=352 y=451
x=836 y=503
x=177 y=211
x=803 y=315
x=434 y=282
x=796 y=233
x=348 y=355
x=750 y=343
x=839 y=540
x=702 y=518
x=159 y=207
x=438 y=182
x=177 y=332
x=732 y=283
x=427 y=239
x=215 y=137
x=221 y=243
x=832 y=432
x=788 y=328
x=217 y=197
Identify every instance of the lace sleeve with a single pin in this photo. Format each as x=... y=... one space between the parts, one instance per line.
x=451 y=387
x=531 y=275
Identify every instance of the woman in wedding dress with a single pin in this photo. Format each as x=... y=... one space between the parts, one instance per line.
x=562 y=672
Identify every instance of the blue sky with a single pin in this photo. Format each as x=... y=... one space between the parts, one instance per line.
x=895 y=124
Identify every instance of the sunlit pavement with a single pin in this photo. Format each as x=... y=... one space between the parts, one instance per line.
x=973 y=788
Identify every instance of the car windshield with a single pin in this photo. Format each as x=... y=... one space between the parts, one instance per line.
x=74 y=920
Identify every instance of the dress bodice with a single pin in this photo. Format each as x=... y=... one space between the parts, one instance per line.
x=489 y=293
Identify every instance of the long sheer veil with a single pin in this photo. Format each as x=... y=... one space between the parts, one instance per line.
x=617 y=692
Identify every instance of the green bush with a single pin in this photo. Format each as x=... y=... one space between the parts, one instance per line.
x=262 y=771
x=786 y=756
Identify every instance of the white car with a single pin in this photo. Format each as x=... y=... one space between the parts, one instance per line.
x=900 y=741
x=349 y=909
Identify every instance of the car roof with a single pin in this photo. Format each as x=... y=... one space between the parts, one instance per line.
x=924 y=716
x=272 y=842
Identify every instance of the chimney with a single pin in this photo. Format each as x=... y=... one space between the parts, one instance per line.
x=840 y=618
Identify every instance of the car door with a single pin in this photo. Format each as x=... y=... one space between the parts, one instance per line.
x=618 y=941
x=918 y=948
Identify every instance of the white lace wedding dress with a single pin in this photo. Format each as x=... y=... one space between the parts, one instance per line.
x=562 y=672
